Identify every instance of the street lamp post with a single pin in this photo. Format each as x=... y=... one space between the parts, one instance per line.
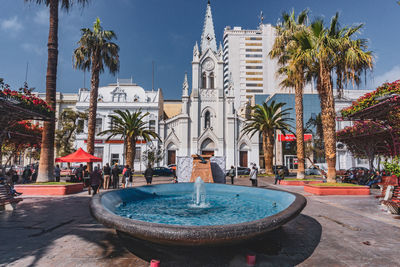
x=236 y=144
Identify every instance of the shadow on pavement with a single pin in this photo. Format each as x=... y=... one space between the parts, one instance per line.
x=42 y=224
x=287 y=246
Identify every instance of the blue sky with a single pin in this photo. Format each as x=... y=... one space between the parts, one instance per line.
x=165 y=32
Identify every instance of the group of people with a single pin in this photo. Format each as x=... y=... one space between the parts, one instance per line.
x=29 y=174
x=109 y=177
x=362 y=177
x=253 y=174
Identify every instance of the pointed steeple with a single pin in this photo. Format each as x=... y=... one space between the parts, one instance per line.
x=208 y=36
x=185 y=86
x=196 y=52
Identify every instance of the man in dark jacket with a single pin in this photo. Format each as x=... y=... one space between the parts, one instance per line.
x=95 y=180
x=115 y=176
x=107 y=176
x=148 y=174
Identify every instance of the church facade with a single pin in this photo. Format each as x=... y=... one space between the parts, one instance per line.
x=208 y=123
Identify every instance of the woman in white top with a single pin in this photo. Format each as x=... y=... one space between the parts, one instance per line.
x=253 y=176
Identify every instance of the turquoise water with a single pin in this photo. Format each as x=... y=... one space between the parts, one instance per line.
x=177 y=209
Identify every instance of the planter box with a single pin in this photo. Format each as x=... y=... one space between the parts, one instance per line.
x=337 y=190
x=299 y=182
x=49 y=190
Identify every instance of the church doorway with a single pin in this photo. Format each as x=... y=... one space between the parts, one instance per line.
x=171 y=154
x=243 y=155
x=243 y=158
x=171 y=157
x=207 y=147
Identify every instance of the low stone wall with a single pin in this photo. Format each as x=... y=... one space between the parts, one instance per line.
x=337 y=190
x=298 y=183
x=49 y=190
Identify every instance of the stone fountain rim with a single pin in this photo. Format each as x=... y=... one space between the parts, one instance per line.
x=192 y=234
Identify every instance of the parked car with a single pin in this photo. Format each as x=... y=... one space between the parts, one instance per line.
x=162 y=171
x=277 y=168
x=172 y=166
x=312 y=171
x=357 y=169
x=241 y=171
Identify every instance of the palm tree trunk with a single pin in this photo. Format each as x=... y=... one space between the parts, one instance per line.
x=94 y=92
x=46 y=164
x=129 y=152
x=268 y=146
x=299 y=130
x=328 y=116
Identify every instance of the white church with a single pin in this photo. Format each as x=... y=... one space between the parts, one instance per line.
x=208 y=123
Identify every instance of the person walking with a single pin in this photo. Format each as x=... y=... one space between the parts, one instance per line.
x=26 y=174
x=231 y=173
x=79 y=173
x=127 y=175
x=253 y=176
x=277 y=176
x=115 y=176
x=148 y=174
x=95 y=180
x=107 y=176
x=57 y=172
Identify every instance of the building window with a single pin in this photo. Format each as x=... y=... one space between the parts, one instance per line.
x=253 y=38
x=138 y=154
x=254 y=73
x=99 y=122
x=152 y=125
x=204 y=80
x=254 y=84
x=253 y=44
x=81 y=126
x=207 y=120
x=253 y=61
x=254 y=67
x=254 y=55
x=253 y=50
x=114 y=159
x=254 y=91
x=254 y=79
x=98 y=152
x=212 y=80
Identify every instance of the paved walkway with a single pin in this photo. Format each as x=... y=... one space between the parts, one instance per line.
x=331 y=231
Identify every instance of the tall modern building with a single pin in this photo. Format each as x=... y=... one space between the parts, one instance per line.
x=247 y=64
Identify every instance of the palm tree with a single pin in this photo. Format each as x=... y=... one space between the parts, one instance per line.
x=46 y=165
x=285 y=48
x=267 y=119
x=132 y=127
x=96 y=51
x=326 y=50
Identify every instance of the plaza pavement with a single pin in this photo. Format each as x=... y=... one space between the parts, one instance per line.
x=331 y=231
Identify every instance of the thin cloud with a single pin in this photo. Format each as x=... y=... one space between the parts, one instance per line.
x=42 y=17
x=11 y=25
x=389 y=76
x=39 y=50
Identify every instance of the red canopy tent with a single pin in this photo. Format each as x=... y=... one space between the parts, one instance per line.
x=79 y=156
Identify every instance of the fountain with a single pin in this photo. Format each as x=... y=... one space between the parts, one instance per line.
x=199 y=194
x=181 y=214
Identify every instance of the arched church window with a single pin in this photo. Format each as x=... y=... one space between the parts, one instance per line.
x=204 y=80
x=211 y=80
x=207 y=118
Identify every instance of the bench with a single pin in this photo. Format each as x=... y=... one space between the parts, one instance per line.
x=7 y=200
x=394 y=203
x=387 y=180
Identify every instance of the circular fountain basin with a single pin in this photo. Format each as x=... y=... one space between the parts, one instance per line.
x=166 y=214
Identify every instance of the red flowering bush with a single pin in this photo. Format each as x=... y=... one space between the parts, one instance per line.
x=26 y=100
x=370 y=99
x=360 y=128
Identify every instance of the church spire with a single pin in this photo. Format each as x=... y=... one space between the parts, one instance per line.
x=208 y=36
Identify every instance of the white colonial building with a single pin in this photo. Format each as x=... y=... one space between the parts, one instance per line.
x=206 y=122
x=124 y=95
